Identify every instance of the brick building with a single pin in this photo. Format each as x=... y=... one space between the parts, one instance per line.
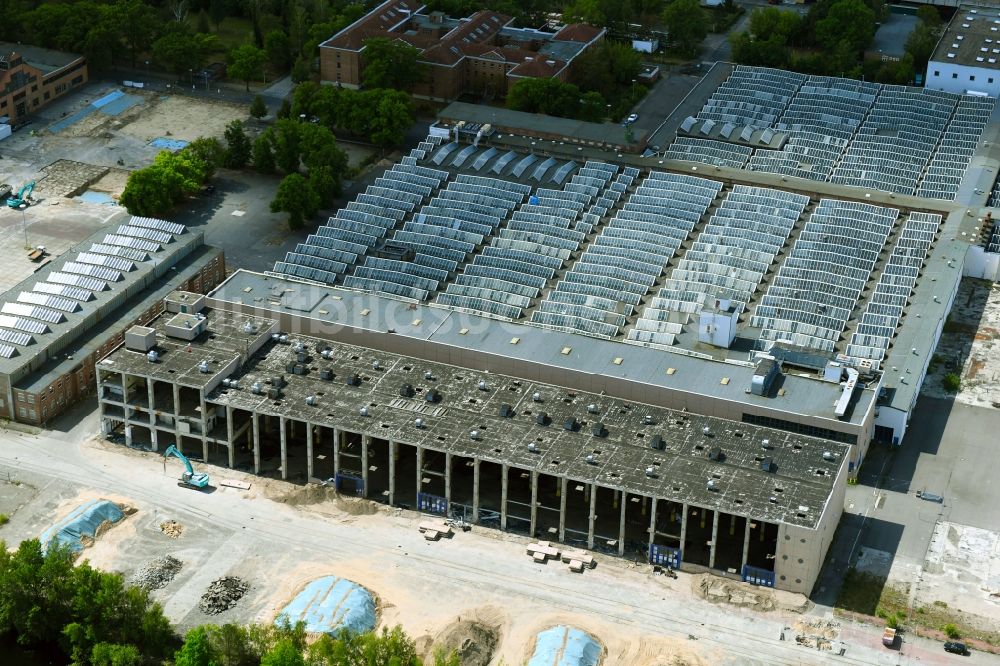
x=483 y=54
x=31 y=77
x=57 y=323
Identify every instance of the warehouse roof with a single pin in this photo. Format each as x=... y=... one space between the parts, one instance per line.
x=972 y=38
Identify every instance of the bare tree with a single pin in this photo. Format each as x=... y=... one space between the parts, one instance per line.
x=179 y=8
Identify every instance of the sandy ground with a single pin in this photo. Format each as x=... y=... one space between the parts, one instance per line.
x=177 y=117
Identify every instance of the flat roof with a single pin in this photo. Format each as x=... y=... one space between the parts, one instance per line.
x=64 y=316
x=803 y=474
x=46 y=60
x=972 y=38
x=95 y=337
x=515 y=121
x=335 y=309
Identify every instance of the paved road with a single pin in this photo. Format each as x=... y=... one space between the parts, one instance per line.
x=611 y=593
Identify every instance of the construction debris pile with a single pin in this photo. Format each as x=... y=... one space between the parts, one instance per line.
x=223 y=595
x=171 y=528
x=157 y=573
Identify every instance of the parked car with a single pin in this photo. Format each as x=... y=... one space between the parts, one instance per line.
x=956 y=647
x=632 y=118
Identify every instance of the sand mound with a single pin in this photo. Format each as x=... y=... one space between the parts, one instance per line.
x=171 y=528
x=474 y=642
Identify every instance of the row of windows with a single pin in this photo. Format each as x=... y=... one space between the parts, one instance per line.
x=954 y=75
x=800 y=428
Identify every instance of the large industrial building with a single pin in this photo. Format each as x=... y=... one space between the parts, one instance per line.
x=32 y=77
x=967 y=57
x=684 y=354
x=56 y=323
x=482 y=54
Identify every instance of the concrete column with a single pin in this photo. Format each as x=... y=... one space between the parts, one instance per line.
x=652 y=521
x=563 y=484
x=715 y=538
x=475 y=490
x=420 y=472
x=128 y=435
x=153 y=439
x=177 y=410
x=177 y=398
x=503 y=498
x=684 y=527
x=203 y=406
x=309 y=450
x=621 y=526
x=152 y=412
x=392 y=473
x=284 y=447
x=447 y=477
x=256 y=442
x=534 y=501
x=593 y=516
x=336 y=452
x=229 y=436
x=746 y=544
x=365 y=442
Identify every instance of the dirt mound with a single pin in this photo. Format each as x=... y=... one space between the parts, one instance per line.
x=819 y=634
x=308 y=495
x=722 y=590
x=155 y=574
x=474 y=642
x=172 y=528
x=223 y=594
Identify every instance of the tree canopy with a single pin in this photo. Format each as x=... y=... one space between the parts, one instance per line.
x=390 y=63
x=246 y=62
x=296 y=197
x=380 y=115
x=686 y=24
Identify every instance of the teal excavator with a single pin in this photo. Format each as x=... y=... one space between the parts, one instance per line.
x=190 y=478
x=23 y=198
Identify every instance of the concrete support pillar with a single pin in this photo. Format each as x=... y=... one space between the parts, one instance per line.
x=153 y=439
x=534 y=502
x=152 y=412
x=256 y=442
x=503 y=498
x=177 y=398
x=715 y=539
x=563 y=483
x=420 y=471
x=229 y=436
x=392 y=473
x=284 y=447
x=593 y=515
x=178 y=441
x=746 y=544
x=475 y=490
x=447 y=477
x=365 y=443
x=652 y=521
x=309 y=450
x=684 y=528
x=336 y=452
x=621 y=525
x=128 y=435
x=203 y=410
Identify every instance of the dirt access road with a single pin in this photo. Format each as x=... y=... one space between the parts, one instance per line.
x=425 y=587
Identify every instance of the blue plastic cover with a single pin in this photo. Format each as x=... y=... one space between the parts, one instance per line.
x=168 y=144
x=329 y=605
x=565 y=646
x=83 y=520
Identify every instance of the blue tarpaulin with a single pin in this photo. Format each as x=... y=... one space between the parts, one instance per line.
x=565 y=646
x=111 y=105
x=330 y=604
x=168 y=144
x=83 y=520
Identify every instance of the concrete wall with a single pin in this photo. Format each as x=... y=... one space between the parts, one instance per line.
x=962 y=78
x=981 y=264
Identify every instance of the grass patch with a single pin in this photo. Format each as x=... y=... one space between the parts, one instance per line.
x=860 y=593
x=4 y=519
x=951 y=382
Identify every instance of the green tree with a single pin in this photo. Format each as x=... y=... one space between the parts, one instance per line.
x=297 y=198
x=257 y=108
x=391 y=646
x=318 y=147
x=231 y=644
x=592 y=107
x=277 y=46
x=218 y=11
x=181 y=51
x=394 y=115
x=245 y=63
x=136 y=22
x=930 y=16
x=238 y=146
x=391 y=64
x=112 y=654
x=767 y=40
x=263 y=153
x=210 y=151
x=283 y=654
x=326 y=183
x=286 y=145
x=300 y=70
x=848 y=22
x=196 y=651
x=686 y=25
x=549 y=96
x=609 y=69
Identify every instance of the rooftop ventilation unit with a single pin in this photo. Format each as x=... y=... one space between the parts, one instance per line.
x=767 y=464
x=353 y=379
x=273 y=393
x=419 y=423
x=429 y=376
x=598 y=430
x=327 y=354
x=482 y=385
x=713 y=485
x=311 y=400
x=432 y=395
x=651 y=472
x=532 y=447
x=506 y=411
x=326 y=374
x=152 y=356
x=257 y=388
x=474 y=434
x=591 y=459
x=706 y=431
x=569 y=424
x=592 y=408
x=406 y=390
x=542 y=418
x=376 y=365
x=716 y=454
x=204 y=368
x=363 y=411
x=829 y=456
x=648 y=420
x=657 y=443
x=536 y=397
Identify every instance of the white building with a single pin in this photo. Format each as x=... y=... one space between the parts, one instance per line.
x=967 y=59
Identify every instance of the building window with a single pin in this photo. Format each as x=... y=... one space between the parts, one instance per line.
x=47 y=95
x=989 y=80
x=972 y=77
x=937 y=72
x=954 y=75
